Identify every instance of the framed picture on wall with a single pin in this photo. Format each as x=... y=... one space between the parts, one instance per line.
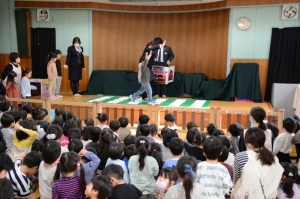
x=43 y=15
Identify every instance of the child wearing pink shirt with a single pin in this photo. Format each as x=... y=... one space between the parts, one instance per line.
x=52 y=74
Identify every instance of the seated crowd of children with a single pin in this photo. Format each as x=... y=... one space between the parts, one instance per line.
x=73 y=159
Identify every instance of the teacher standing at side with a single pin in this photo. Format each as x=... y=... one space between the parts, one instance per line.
x=75 y=63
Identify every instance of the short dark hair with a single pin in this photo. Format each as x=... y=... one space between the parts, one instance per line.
x=129 y=151
x=163 y=131
x=225 y=153
x=103 y=185
x=39 y=113
x=18 y=115
x=6 y=162
x=74 y=133
x=6 y=185
x=191 y=125
x=27 y=108
x=71 y=123
x=142 y=58
x=168 y=136
x=153 y=129
x=95 y=134
x=113 y=170
x=59 y=111
x=123 y=121
x=199 y=138
x=218 y=132
x=67 y=116
x=225 y=141
x=89 y=122
x=51 y=151
x=115 y=150
x=86 y=133
x=176 y=146
x=13 y=56
x=191 y=134
x=102 y=117
x=75 y=145
x=235 y=129
x=144 y=119
x=129 y=139
x=7 y=119
x=275 y=129
x=32 y=159
x=4 y=105
x=57 y=51
x=76 y=39
x=145 y=130
x=27 y=124
x=212 y=148
x=158 y=40
x=53 y=129
x=289 y=124
x=211 y=128
x=59 y=121
x=170 y=117
x=114 y=125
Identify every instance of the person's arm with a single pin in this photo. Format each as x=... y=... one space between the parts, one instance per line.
x=55 y=192
x=69 y=55
x=94 y=160
x=278 y=142
x=8 y=68
x=40 y=132
x=226 y=183
x=171 y=54
x=237 y=169
x=2 y=89
x=83 y=65
x=155 y=168
x=23 y=87
x=49 y=71
x=32 y=134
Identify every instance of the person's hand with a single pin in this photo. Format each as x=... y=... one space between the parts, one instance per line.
x=168 y=62
x=83 y=68
x=82 y=152
x=164 y=43
x=155 y=59
x=150 y=52
x=17 y=126
x=65 y=66
x=38 y=127
x=146 y=54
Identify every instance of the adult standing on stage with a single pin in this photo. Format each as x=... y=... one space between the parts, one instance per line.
x=75 y=63
x=13 y=66
x=163 y=57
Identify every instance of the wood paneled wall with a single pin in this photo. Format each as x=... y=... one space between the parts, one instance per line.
x=199 y=40
x=65 y=84
x=263 y=71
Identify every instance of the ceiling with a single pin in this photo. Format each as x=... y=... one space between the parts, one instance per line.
x=138 y=2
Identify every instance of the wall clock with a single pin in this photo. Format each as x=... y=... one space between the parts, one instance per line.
x=243 y=23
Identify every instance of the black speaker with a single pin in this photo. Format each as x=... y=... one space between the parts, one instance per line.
x=23 y=25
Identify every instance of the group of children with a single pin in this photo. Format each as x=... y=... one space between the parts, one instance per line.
x=73 y=159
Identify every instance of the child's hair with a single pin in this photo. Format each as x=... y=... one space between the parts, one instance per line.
x=129 y=139
x=78 y=121
x=153 y=129
x=191 y=125
x=59 y=112
x=168 y=136
x=95 y=133
x=71 y=123
x=145 y=130
x=27 y=108
x=51 y=152
x=11 y=76
x=212 y=148
x=163 y=132
x=155 y=152
x=74 y=133
x=57 y=52
x=67 y=116
x=85 y=133
x=24 y=114
x=191 y=134
x=218 y=132
x=7 y=189
x=257 y=137
x=275 y=129
x=3 y=147
x=102 y=117
x=7 y=119
x=186 y=169
x=26 y=71
x=114 y=125
x=4 y=105
x=211 y=128
x=129 y=151
x=296 y=130
x=6 y=162
x=18 y=115
x=75 y=145
x=291 y=176
x=103 y=185
x=32 y=159
x=259 y=114
x=166 y=173
x=68 y=163
x=199 y=139
x=225 y=141
x=50 y=56
x=225 y=153
x=39 y=113
x=146 y=195
x=59 y=121
x=142 y=58
x=89 y=122
x=27 y=124
x=123 y=121
x=113 y=170
x=54 y=132
x=115 y=151
x=142 y=146
x=289 y=124
x=170 y=117
x=106 y=138
x=176 y=146
x=144 y=119
x=235 y=129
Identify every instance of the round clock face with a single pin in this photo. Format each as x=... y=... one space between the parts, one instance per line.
x=243 y=23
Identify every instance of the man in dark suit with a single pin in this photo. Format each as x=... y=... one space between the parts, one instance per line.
x=163 y=57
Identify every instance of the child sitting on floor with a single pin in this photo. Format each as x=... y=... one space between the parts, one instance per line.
x=176 y=148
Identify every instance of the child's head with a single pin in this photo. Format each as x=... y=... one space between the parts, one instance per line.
x=67 y=116
x=218 y=132
x=115 y=151
x=7 y=120
x=145 y=130
x=289 y=124
x=18 y=115
x=225 y=141
x=74 y=133
x=59 y=112
x=155 y=152
x=58 y=54
x=164 y=179
x=129 y=151
x=95 y=133
x=115 y=173
x=51 y=57
x=27 y=124
x=78 y=121
x=191 y=125
x=153 y=130
x=225 y=153
x=102 y=118
x=85 y=133
x=89 y=122
x=186 y=168
x=59 y=121
x=163 y=132
x=100 y=187
x=235 y=129
x=4 y=105
x=27 y=72
x=144 y=119
x=14 y=57
x=54 y=132
x=75 y=145
x=199 y=139
x=142 y=59
x=27 y=108
x=275 y=129
x=12 y=77
x=123 y=121
x=212 y=148
x=211 y=128
x=129 y=139
x=176 y=146
x=142 y=146
x=289 y=177
x=71 y=123
x=258 y=114
x=39 y=113
x=105 y=140
x=191 y=134
x=51 y=152
x=6 y=185
x=114 y=125
x=6 y=164
x=170 y=119
x=168 y=136
x=32 y=161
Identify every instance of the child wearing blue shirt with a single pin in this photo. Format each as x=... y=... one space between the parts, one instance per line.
x=176 y=146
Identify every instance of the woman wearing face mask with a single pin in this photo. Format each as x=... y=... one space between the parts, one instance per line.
x=13 y=66
x=75 y=63
x=163 y=182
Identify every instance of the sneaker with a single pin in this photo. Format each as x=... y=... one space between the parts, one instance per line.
x=156 y=96
x=77 y=95
x=58 y=96
x=52 y=97
x=132 y=98
x=164 y=96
